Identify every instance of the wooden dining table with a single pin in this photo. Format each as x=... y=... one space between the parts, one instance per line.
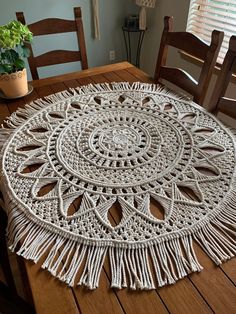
x=211 y=290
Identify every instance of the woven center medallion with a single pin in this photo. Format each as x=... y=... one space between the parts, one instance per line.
x=127 y=143
x=73 y=158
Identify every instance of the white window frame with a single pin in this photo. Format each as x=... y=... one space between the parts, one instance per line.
x=206 y=15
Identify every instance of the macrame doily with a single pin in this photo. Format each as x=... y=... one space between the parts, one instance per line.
x=129 y=145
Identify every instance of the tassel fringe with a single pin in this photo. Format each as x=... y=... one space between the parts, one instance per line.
x=139 y=267
x=130 y=267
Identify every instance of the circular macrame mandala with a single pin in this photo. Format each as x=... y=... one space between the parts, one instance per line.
x=74 y=157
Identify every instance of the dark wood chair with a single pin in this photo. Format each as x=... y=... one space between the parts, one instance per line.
x=10 y=301
x=194 y=46
x=4 y=259
x=218 y=101
x=55 y=26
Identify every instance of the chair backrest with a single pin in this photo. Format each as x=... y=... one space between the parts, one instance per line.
x=55 y=26
x=194 y=46
x=218 y=101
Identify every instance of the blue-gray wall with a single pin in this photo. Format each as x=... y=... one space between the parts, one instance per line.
x=179 y=10
x=112 y=13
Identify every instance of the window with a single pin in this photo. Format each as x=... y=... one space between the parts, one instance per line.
x=207 y=15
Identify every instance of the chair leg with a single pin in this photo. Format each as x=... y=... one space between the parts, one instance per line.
x=4 y=259
x=26 y=287
x=9 y=299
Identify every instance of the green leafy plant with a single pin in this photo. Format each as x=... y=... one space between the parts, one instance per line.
x=14 y=37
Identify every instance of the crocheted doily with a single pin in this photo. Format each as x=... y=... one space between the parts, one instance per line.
x=70 y=157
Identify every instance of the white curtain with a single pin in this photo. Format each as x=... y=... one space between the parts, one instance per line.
x=96 y=19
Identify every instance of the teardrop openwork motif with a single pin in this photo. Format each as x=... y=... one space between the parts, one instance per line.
x=46 y=189
x=76 y=105
x=74 y=206
x=32 y=167
x=56 y=115
x=115 y=214
x=157 y=209
x=39 y=130
x=28 y=147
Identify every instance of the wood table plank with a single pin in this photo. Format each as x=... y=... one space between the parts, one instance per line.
x=112 y=77
x=85 y=80
x=126 y=76
x=81 y=74
x=4 y=112
x=44 y=91
x=49 y=294
x=71 y=84
x=183 y=297
x=98 y=79
x=102 y=300
x=229 y=269
x=141 y=302
x=211 y=281
x=140 y=75
x=14 y=105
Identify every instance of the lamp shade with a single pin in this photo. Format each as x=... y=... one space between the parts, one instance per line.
x=146 y=3
x=142 y=14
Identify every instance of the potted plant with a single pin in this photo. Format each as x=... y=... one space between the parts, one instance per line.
x=14 y=37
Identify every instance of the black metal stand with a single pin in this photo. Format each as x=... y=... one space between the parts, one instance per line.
x=126 y=33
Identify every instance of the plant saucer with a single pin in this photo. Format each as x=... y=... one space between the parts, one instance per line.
x=30 y=89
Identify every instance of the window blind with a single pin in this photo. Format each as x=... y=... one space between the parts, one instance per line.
x=207 y=15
